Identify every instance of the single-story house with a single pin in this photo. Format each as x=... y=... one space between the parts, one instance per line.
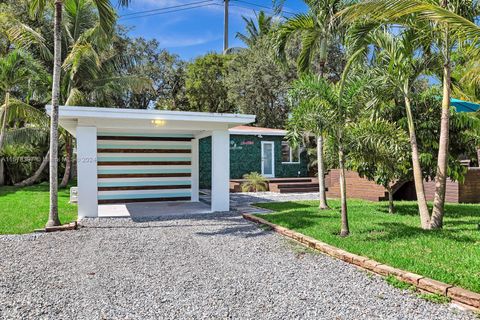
x=256 y=149
x=130 y=155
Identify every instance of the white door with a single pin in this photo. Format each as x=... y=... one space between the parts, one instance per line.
x=268 y=159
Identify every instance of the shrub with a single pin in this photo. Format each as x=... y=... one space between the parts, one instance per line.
x=255 y=182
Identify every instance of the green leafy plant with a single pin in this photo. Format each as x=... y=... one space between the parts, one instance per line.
x=255 y=182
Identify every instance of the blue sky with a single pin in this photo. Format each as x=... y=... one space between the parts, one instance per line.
x=196 y=31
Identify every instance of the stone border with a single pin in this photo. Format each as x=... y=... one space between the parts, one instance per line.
x=457 y=294
x=64 y=227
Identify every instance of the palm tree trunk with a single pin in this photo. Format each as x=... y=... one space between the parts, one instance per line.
x=321 y=174
x=391 y=206
x=4 y=119
x=417 y=170
x=2 y=172
x=442 y=161
x=53 y=219
x=31 y=180
x=68 y=161
x=345 y=230
x=323 y=56
x=2 y=137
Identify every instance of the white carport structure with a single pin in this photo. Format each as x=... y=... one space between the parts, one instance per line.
x=130 y=155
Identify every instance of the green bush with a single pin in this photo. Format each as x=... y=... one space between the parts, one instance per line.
x=255 y=182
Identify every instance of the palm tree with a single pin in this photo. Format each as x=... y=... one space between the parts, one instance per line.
x=448 y=21
x=17 y=69
x=398 y=66
x=317 y=28
x=337 y=104
x=19 y=35
x=107 y=19
x=307 y=120
x=255 y=29
x=91 y=67
x=254 y=182
x=378 y=150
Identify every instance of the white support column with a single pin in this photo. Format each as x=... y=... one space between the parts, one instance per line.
x=87 y=172
x=195 y=170
x=220 y=170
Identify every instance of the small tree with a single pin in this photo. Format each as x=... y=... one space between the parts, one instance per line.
x=378 y=151
x=340 y=104
x=309 y=119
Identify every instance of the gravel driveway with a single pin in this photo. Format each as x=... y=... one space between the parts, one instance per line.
x=201 y=267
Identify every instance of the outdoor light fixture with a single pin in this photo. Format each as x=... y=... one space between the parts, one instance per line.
x=158 y=122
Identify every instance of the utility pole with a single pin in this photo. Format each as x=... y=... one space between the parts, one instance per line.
x=225 y=27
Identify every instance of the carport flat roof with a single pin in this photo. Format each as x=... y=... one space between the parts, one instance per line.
x=75 y=112
x=138 y=121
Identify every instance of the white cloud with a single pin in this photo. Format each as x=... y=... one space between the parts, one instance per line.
x=188 y=41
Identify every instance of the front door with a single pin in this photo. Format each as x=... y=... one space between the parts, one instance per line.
x=268 y=159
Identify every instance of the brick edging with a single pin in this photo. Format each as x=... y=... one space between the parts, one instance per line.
x=463 y=296
x=64 y=227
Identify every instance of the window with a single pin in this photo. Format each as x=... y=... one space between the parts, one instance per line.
x=290 y=154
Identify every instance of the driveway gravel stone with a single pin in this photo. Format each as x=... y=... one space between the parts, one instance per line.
x=194 y=267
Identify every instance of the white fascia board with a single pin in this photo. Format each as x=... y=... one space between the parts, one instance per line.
x=256 y=133
x=74 y=112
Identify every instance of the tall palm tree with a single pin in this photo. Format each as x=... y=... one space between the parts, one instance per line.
x=255 y=29
x=17 y=69
x=336 y=104
x=107 y=19
x=317 y=28
x=449 y=22
x=398 y=65
x=90 y=66
x=305 y=121
x=18 y=34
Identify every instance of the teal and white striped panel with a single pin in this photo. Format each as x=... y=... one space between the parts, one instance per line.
x=134 y=176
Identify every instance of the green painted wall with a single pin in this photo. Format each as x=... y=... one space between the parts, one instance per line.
x=245 y=157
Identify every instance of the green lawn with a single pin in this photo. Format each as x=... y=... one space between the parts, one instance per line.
x=24 y=209
x=451 y=255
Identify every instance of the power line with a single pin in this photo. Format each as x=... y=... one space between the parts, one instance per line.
x=262 y=6
x=164 y=8
x=269 y=11
x=171 y=11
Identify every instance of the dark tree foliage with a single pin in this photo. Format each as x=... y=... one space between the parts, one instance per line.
x=166 y=71
x=205 y=84
x=258 y=85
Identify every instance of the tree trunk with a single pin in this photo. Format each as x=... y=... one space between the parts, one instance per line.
x=68 y=160
x=321 y=174
x=478 y=157
x=31 y=180
x=4 y=120
x=2 y=172
x=322 y=57
x=442 y=161
x=2 y=137
x=391 y=206
x=417 y=170
x=345 y=230
x=53 y=219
